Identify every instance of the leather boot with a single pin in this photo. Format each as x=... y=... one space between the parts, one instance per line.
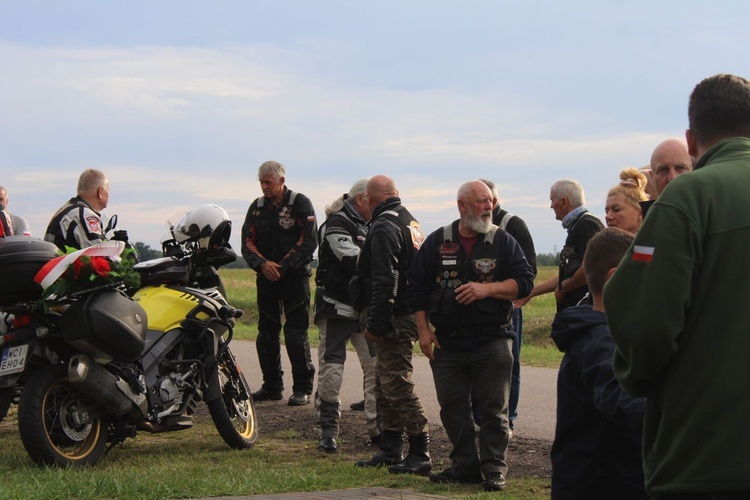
x=391 y=451
x=418 y=460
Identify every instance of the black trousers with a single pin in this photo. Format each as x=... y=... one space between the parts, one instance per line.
x=290 y=295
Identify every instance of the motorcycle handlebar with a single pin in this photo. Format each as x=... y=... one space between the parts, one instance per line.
x=227 y=312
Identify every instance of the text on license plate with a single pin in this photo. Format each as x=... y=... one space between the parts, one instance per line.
x=13 y=359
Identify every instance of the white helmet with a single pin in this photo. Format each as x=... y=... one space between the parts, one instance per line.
x=208 y=224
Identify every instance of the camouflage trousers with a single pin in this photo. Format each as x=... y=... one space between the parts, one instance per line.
x=394 y=390
x=334 y=333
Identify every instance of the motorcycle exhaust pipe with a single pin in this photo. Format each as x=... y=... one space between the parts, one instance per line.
x=97 y=383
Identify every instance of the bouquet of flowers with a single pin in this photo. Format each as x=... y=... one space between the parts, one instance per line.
x=79 y=271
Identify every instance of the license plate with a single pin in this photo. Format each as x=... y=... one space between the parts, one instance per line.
x=13 y=359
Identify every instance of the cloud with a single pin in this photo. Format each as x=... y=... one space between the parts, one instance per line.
x=174 y=127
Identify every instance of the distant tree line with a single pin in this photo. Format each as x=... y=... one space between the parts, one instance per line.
x=145 y=252
x=548 y=259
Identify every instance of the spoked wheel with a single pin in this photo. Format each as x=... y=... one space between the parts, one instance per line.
x=6 y=398
x=53 y=426
x=234 y=413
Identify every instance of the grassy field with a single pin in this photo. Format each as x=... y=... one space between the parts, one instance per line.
x=537 y=348
x=196 y=463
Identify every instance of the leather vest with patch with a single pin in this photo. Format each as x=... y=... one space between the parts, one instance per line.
x=454 y=269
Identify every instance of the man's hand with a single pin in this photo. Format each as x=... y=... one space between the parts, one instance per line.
x=426 y=341
x=271 y=270
x=518 y=303
x=469 y=292
x=372 y=337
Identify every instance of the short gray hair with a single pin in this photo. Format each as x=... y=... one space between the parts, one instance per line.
x=91 y=180
x=570 y=189
x=492 y=186
x=358 y=187
x=272 y=167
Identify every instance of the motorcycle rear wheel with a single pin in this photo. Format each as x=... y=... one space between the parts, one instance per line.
x=6 y=398
x=46 y=424
x=234 y=413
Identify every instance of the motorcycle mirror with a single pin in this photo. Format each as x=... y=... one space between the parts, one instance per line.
x=111 y=224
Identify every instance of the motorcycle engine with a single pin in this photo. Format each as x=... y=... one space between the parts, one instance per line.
x=172 y=389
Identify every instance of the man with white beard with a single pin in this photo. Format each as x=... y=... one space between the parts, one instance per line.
x=462 y=282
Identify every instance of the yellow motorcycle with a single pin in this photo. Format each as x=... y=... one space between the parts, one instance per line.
x=142 y=359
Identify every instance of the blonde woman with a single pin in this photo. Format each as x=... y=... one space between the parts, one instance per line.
x=622 y=208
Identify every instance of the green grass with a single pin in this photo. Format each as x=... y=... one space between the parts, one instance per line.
x=196 y=463
x=537 y=348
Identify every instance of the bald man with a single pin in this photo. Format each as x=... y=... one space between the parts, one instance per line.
x=462 y=284
x=669 y=159
x=380 y=284
x=11 y=224
x=80 y=222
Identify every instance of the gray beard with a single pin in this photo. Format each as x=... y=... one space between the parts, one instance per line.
x=478 y=224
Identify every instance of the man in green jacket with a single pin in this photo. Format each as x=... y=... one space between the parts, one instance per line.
x=678 y=308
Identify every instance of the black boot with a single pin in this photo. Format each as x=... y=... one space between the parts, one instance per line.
x=418 y=460
x=391 y=451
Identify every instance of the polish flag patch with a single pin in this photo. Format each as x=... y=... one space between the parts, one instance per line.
x=643 y=254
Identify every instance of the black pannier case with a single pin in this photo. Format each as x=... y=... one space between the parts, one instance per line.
x=21 y=257
x=106 y=322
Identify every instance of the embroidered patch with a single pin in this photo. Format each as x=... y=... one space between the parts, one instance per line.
x=93 y=223
x=642 y=254
x=485 y=266
x=448 y=248
x=416 y=234
x=286 y=222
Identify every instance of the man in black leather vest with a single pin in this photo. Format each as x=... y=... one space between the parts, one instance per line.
x=462 y=284
x=279 y=236
x=380 y=283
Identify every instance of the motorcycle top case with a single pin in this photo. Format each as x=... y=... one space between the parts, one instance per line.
x=21 y=257
x=164 y=271
x=106 y=322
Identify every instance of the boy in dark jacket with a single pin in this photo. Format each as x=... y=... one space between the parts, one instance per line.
x=597 y=447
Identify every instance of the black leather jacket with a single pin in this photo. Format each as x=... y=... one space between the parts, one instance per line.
x=286 y=234
x=392 y=242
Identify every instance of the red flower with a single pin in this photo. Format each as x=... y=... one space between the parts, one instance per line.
x=77 y=266
x=100 y=265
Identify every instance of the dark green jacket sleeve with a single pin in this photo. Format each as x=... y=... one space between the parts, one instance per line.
x=648 y=295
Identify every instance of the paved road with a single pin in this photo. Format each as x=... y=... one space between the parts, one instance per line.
x=536 y=411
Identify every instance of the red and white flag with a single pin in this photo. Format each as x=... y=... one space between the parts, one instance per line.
x=642 y=253
x=57 y=266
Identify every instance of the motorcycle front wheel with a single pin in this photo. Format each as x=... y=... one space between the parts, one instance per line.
x=234 y=412
x=51 y=426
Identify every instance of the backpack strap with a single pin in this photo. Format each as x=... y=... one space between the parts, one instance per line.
x=504 y=221
x=262 y=201
x=489 y=237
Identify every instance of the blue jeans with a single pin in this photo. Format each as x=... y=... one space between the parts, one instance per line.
x=487 y=371
x=515 y=380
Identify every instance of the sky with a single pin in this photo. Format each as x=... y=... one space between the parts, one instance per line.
x=179 y=102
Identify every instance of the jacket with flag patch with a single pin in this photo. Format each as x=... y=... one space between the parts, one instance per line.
x=76 y=225
x=678 y=312
x=286 y=233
